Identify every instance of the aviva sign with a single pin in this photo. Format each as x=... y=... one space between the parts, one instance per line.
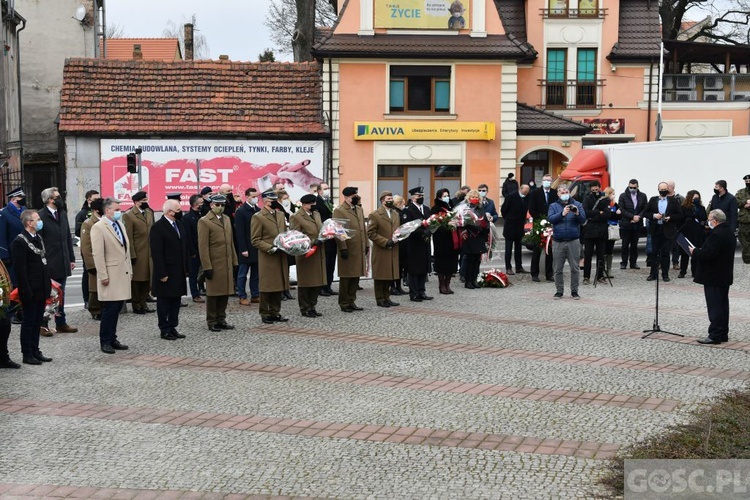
x=424 y=131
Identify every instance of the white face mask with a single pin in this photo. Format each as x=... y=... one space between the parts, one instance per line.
x=326 y=193
x=482 y=194
x=446 y=199
x=711 y=224
x=286 y=203
x=546 y=184
x=254 y=201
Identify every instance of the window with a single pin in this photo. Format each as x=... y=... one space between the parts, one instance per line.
x=586 y=78
x=556 y=77
x=420 y=89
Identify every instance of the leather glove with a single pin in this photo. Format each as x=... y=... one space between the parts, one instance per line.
x=272 y=250
x=318 y=243
x=390 y=244
x=209 y=274
x=345 y=254
x=92 y=271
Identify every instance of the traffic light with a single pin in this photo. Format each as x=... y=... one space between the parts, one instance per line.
x=132 y=163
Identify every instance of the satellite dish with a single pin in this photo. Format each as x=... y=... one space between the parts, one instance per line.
x=80 y=14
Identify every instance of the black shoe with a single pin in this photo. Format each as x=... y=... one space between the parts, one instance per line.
x=347 y=309
x=360 y=288
x=355 y=307
x=470 y=285
x=16 y=321
x=709 y=340
x=116 y=345
x=551 y=279
x=393 y=304
x=177 y=334
x=287 y=296
x=536 y=279
x=31 y=360
x=426 y=297
x=417 y=298
x=623 y=266
x=509 y=272
x=651 y=278
x=325 y=293
x=284 y=296
x=96 y=317
x=681 y=275
x=635 y=266
x=333 y=292
x=214 y=328
x=575 y=296
x=225 y=326
x=314 y=311
x=521 y=271
x=665 y=278
x=267 y=320
x=168 y=336
x=395 y=292
x=309 y=314
x=106 y=348
x=384 y=303
x=558 y=295
x=41 y=357
x=139 y=311
x=405 y=282
x=280 y=319
x=9 y=363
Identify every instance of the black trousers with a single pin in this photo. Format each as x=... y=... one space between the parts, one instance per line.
x=717 y=303
x=4 y=336
x=167 y=312
x=108 y=325
x=629 y=236
x=661 y=249
x=330 y=246
x=473 y=261
x=510 y=247
x=536 y=257
x=33 y=312
x=588 y=254
x=417 y=284
x=139 y=291
x=685 y=259
x=85 y=284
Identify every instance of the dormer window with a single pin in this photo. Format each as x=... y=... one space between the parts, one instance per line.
x=420 y=89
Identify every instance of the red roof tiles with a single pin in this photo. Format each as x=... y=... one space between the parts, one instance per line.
x=209 y=97
x=153 y=49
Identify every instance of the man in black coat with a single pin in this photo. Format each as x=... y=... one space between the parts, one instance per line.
x=539 y=202
x=29 y=257
x=632 y=204
x=514 y=210
x=418 y=247
x=716 y=273
x=58 y=243
x=190 y=223
x=325 y=208
x=726 y=202
x=247 y=254
x=665 y=214
x=169 y=254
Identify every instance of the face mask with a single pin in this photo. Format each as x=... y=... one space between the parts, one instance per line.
x=419 y=201
x=663 y=193
x=564 y=197
x=747 y=184
x=217 y=210
x=326 y=193
x=22 y=202
x=313 y=208
x=178 y=215
x=39 y=225
x=716 y=191
x=275 y=205
x=482 y=194
x=711 y=224
x=117 y=215
x=59 y=203
x=144 y=206
x=633 y=190
x=389 y=204
x=696 y=201
x=355 y=200
x=522 y=195
x=446 y=199
x=546 y=184
x=254 y=201
x=473 y=201
x=286 y=203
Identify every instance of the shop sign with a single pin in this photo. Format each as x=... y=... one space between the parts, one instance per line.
x=424 y=131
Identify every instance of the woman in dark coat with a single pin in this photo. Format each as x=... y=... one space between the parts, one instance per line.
x=475 y=239
x=694 y=228
x=595 y=236
x=614 y=220
x=445 y=243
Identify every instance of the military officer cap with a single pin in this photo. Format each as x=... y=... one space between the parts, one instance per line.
x=140 y=195
x=269 y=194
x=206 y=190
x=744 y=179
x=16 y=193
x=308 y=198
x=218 y=199
x=416 y=190
x=174 y=196
x=350 y=191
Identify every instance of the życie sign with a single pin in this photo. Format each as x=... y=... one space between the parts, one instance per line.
x=422 y=14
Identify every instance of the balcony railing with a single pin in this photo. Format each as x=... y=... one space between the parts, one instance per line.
x=573 y=13
x=572 y=94
x=706 y=87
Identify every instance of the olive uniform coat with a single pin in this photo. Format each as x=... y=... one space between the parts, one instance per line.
x=216 y=249
x=385 y=265
x=112 y=261
x=138 y=224
x=311 y=271
x=358 y=245
x=87 y=252
x=273 y=268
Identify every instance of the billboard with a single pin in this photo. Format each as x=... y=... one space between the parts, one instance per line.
x=186 y=166
x=422 y=14
x=606 y=126
x=424 y=131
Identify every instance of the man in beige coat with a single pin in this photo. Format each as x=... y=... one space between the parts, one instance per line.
x=87 y=253
x=218 y=260
x=311 y=271
x=138 y=221
x=110 y=247
x=273 y=266
x=352 y=253
x=385 y=266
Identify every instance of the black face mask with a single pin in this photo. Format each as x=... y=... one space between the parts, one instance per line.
x=355 y=200
x=663 y=193
x=747 y=184
x=419 y=201
x=276 y=205
x=389 y=204
x=178 y=215
x=22 y=202
x=144 y=206
x=716 y=191
x=59 y=203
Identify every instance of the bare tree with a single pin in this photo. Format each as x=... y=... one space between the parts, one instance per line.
x=200 y=44
x=281 y=20
x=729 y=20
x=115 y=30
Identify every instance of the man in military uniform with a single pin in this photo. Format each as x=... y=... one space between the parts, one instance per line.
x=273 y=265
x=138 y=221
x=385 y=264
x=10 y=227
x=87 y=253
x=352 y=253
x=218 y=259
x=311 y=271
x=743 y=219
x=418 y=244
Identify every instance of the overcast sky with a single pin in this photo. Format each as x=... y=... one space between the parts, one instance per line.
x=232 y=27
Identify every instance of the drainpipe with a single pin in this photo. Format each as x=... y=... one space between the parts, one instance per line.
x=650 y=85
x=20 y=107
x=330 y=124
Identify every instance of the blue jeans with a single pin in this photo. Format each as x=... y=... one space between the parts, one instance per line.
x=195 y=264
x=242 y=273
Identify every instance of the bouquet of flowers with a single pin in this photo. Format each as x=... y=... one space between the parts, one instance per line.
x=6 y=289
x=446 y=221
x=539 y=235
x=494 y=278
x=292 y=243
x=465 y=216
x=335 y=228
x=51 y=305
x=404 y=230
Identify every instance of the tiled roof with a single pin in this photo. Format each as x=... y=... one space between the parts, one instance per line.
x=639 y=32
x=534 y=121
x=513 y=16
x=153 y=49
x=188 y=97
x=421 y=46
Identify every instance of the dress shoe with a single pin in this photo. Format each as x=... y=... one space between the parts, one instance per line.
x=417 y=298
x=309 y=314
x=651 y=278
x=394 y=291
x=470 y=285
x=709 y=340
x=426 y=297
x=355 y=307
x=280 y=319
x=665 y=278
x=139 y=311
x=536 y=279
x=168 y=336
x=332 y=291
x=41 y=357
x=31 y=360
x=284 y=296
x=360 y=288
x=150 y=299
x=676 y=267
x=9 y=363
x=255 y=300
x=509 y=272
x=635 y=266
x=107 y=349
x=521 y=271
x=383 y=303
x=681 y=275
x=214 y=328
x=96 y=317
x=199 y=300
x=267 y=320
x=317 y=314
x=288 y=295
x=225 y=326
x=393 y=304
x=16 y=321
x=347 y=309
x=324 y=293
x=623 y=266
x=551 y=279
x=244 y=302
x=118 y=346
x=177 y=334
x=45 y=332
x=66 y=328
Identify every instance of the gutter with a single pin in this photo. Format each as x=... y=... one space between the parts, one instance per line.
x=20 y=107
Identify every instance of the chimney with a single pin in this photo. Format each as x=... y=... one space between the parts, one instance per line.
x=223 y=58
x=188 y=42
x=137 y=54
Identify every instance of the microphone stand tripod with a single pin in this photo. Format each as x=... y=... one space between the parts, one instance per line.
x=656 y=328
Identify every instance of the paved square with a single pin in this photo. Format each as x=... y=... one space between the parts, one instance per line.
x=482 y=394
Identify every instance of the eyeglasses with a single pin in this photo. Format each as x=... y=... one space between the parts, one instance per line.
x=482 y=190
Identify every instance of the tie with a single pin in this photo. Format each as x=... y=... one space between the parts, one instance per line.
x=546 y=197
x=119 y=233
x=174 y=225
x=55 y=216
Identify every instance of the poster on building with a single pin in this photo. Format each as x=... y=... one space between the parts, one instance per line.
x=603 y=126
x=422 y=14
x=187 y=166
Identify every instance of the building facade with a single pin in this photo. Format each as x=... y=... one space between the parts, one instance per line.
x=11 y=130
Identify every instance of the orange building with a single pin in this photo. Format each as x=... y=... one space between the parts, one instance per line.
x=441 y=93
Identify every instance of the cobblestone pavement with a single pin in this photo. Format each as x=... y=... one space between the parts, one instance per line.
x=482 y=394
